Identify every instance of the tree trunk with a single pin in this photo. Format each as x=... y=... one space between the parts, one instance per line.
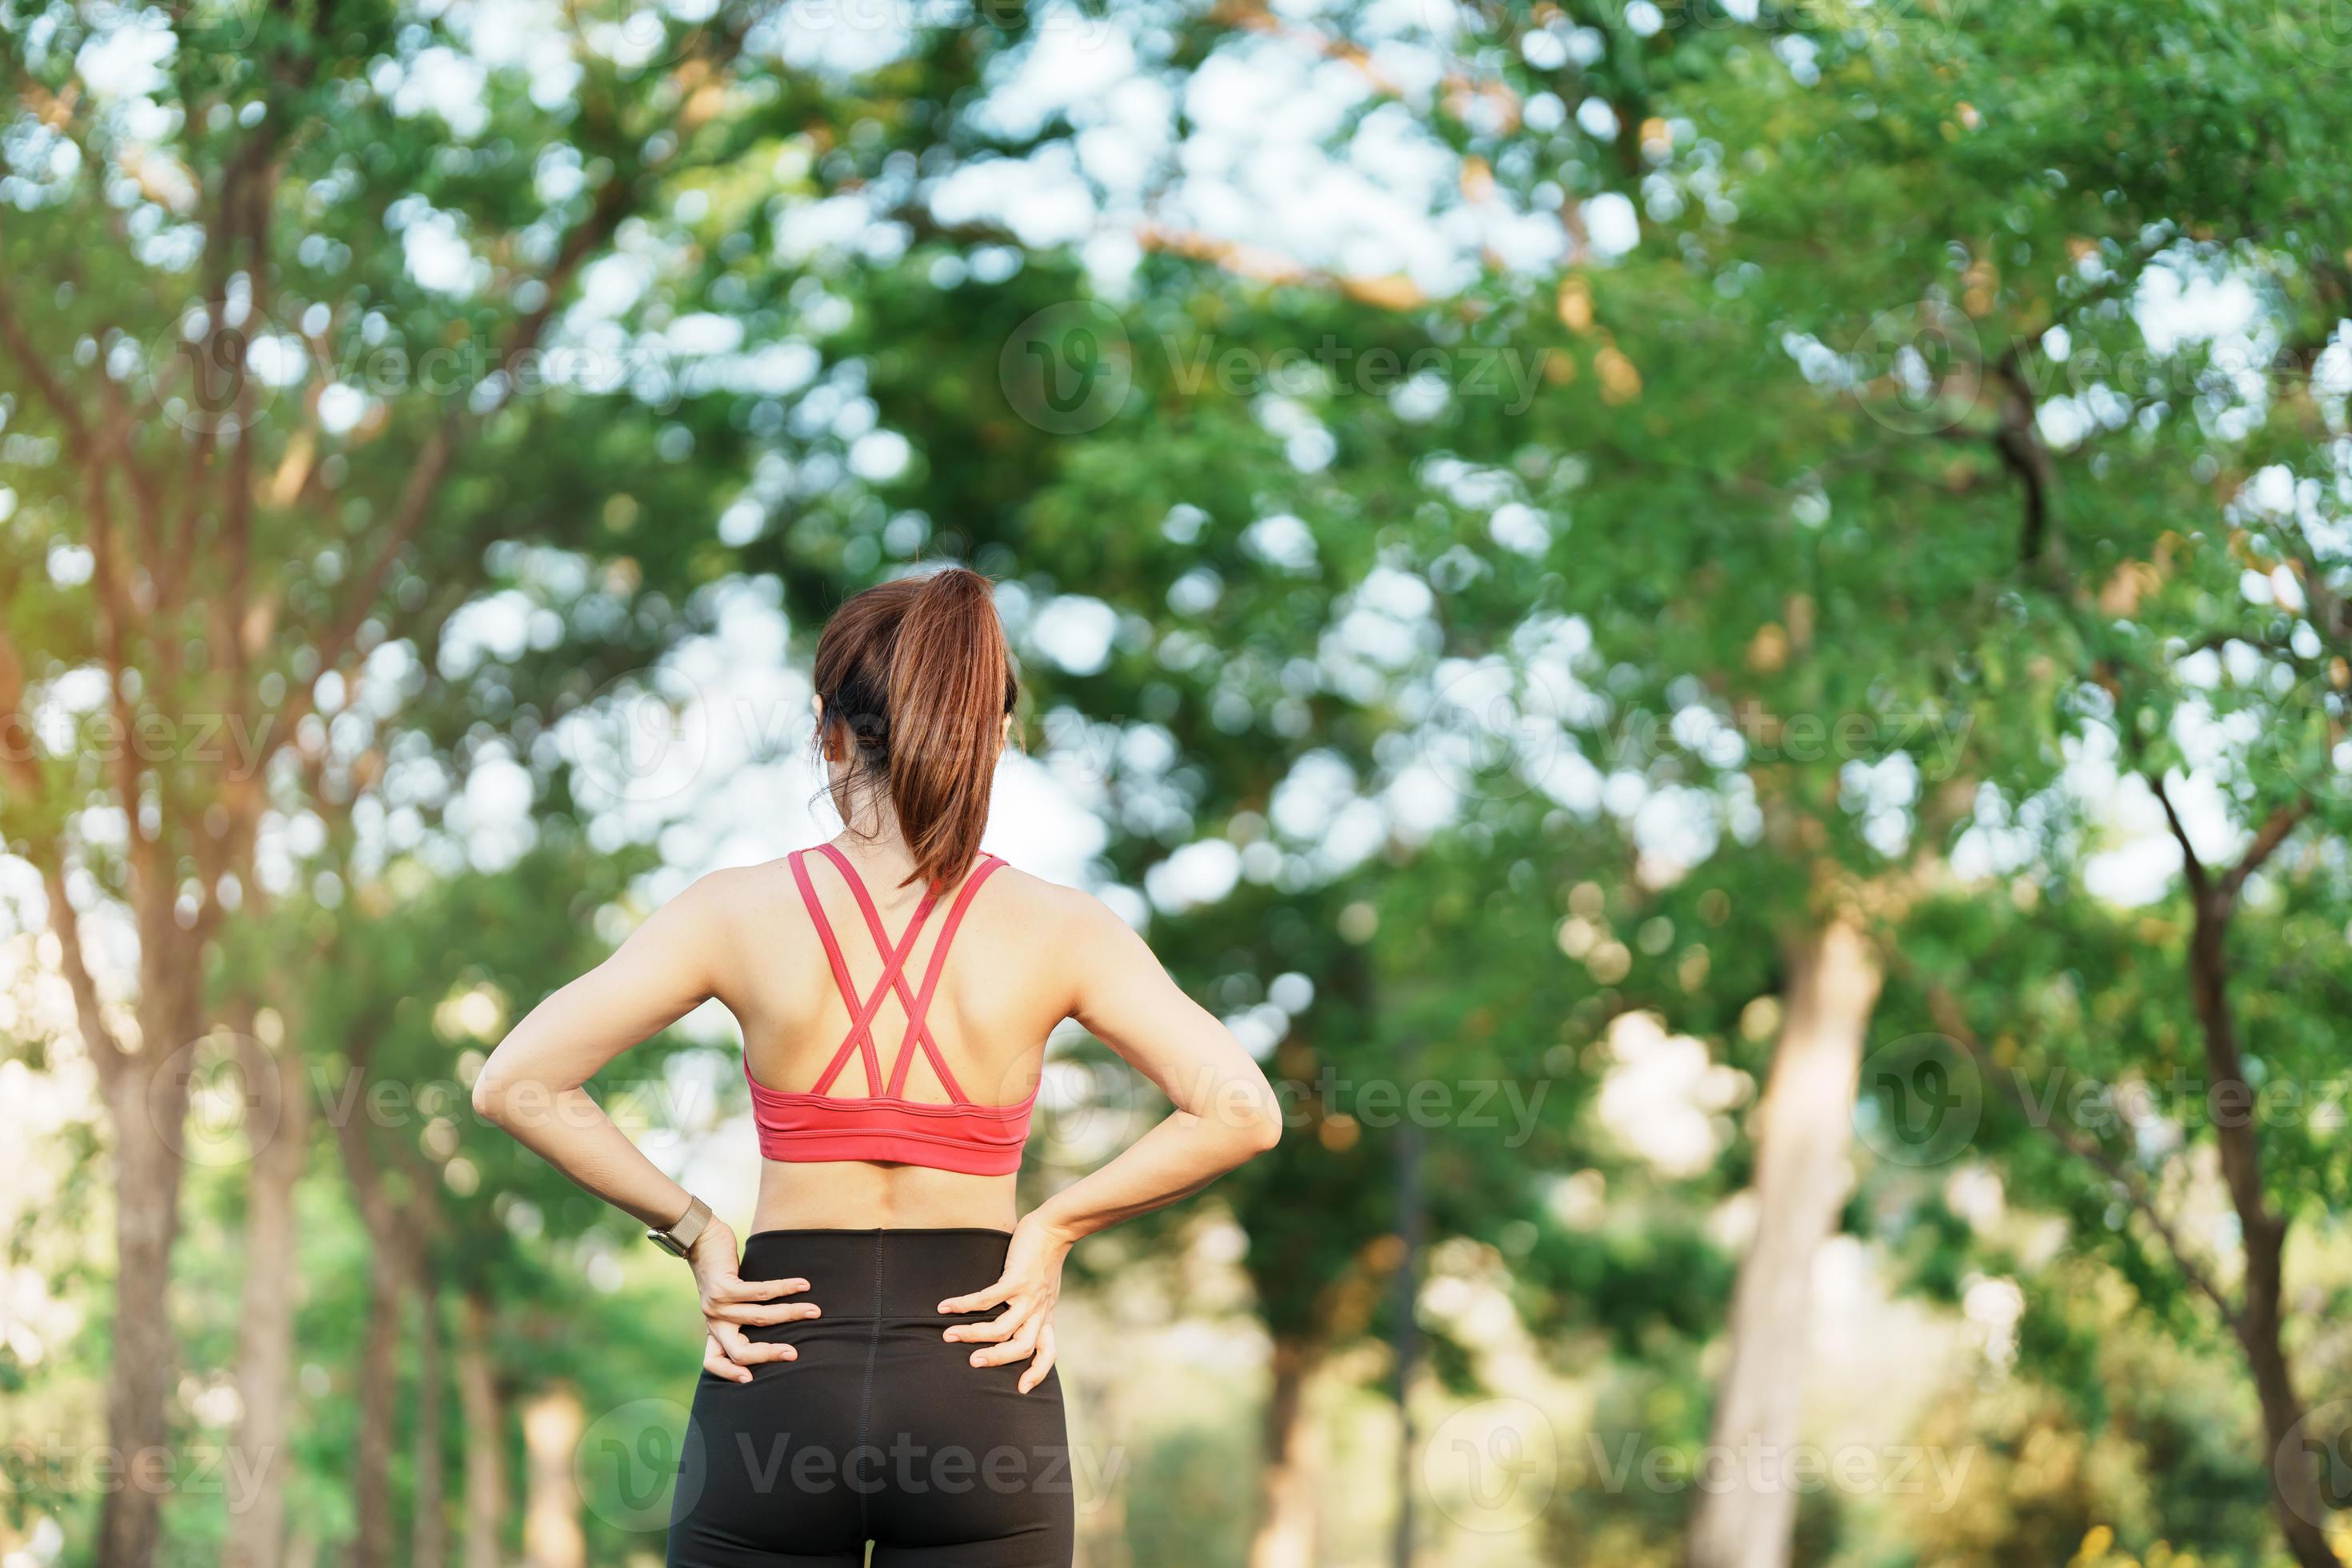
x=139 y=1383
x=147 y=1107
x=2295 y=1489
x=379 y=1408
x=1803 y=1129
x=264 y=1343
x=1285 y=1531
x=431 y=1549
x=551 y=1428
x=398 y=1262
x=486 y=1435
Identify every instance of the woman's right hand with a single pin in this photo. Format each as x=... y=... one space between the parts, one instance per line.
x=731 y=1303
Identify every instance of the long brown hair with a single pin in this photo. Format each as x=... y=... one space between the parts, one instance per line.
x=917 y=679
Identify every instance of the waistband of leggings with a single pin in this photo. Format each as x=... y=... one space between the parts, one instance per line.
x=884 y=1273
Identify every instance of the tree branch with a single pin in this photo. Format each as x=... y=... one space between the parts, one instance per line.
x=104 y=1044
x=612 y=206
x=2021 y=447
x=2199 y=884
x=1950 y=1020
x=23 y=770
x=37 y=371
x=2272 y=833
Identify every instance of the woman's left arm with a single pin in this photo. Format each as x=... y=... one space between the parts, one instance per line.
x=534 y=1086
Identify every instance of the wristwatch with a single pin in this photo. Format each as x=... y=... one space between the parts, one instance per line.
x=680 y=1237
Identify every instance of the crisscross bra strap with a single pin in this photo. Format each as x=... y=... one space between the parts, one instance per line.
x=894 y=962
x=894 y=976
x=917 y=1031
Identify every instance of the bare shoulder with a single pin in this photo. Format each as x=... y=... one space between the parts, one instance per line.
x=732 y=890
x=717 y=905
x=1070 y=916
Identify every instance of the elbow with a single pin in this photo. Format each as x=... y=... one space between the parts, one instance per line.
x=1264 y=1134
x=493 y=1092
x=1243 y=1121
x=1261 y=1124
x=512 y=1095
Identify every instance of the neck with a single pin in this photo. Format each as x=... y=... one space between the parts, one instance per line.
x=872 y=839
x=884 y=858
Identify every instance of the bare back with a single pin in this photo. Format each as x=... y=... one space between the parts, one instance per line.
x=1006 y=983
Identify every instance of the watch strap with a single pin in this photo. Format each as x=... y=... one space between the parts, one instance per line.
x=680 y=1237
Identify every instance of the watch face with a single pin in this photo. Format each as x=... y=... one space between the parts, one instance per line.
x=664 y=1240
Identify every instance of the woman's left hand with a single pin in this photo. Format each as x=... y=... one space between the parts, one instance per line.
x=1028 y=1292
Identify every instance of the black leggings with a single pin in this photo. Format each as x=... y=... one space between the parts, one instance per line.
x=882 y=1431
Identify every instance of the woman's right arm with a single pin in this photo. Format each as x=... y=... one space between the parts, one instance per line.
x=534 y=1086
x=1225 y=1114
x=1225 y=1111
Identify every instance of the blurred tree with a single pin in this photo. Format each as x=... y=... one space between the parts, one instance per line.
x=181 y=238
x=298 y=367
x=1640 y=634
x=1944 y=490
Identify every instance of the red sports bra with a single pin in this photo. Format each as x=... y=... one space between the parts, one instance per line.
x=977 y=1139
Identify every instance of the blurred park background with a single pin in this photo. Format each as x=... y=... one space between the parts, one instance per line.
x=1719 y=630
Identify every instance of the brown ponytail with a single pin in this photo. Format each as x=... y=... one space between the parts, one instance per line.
x=916 y=676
